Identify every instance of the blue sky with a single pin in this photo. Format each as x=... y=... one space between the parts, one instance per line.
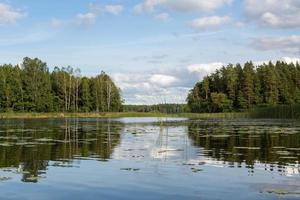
x=154 y=49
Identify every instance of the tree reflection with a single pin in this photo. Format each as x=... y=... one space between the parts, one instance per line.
x=237 y=145
x=30 y=146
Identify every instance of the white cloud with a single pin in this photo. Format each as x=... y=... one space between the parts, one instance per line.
x=114 y=9
x=9 y=15
x=162 y=80
x=162 y=17
x=291 y=60
x=146 y=6
x=165 y=85
x=86 y=18
x=287 y=44
x=170 y=84
x=287 y=60
x=148 y=88
x=274 y=13
x=180 y=5
x=209 y=22
x=205 y=69
x=90 y=17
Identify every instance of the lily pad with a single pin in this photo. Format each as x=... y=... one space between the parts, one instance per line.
x=195 y=170
x=5 y=178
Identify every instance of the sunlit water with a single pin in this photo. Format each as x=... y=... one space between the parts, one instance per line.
x=149 y=158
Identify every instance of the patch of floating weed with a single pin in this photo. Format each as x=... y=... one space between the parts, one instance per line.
x=248 y=148
x=188 y=164
x=283 y=153
x=278 y=147
x=293 y=149
x=44 y=140
x=32 y=178
x=6 y=144
x=66 y=165
x=168 y=150
x=278 y=191
x=5 y=178
x=195 y=170
x=130 y=169
x=288 y=157
x=30 y=146
x=220 y=136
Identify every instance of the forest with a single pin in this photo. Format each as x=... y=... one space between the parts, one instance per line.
x=30 y=87
x=161 y=108
x=238 y=88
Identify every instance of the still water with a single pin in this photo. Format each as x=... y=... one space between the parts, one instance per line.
x=149 y=158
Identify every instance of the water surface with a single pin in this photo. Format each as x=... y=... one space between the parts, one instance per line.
x=149 y=158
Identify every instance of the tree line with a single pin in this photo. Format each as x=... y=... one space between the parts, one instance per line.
x=161 y=108
x=234 y=88
x=30 y=87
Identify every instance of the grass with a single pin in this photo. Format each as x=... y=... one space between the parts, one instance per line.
x=280 y=112
x=12 y=115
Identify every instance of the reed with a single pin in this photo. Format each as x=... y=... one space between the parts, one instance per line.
x=279 y=112
x=13 y=115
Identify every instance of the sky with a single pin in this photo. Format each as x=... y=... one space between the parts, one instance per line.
x=155 y=50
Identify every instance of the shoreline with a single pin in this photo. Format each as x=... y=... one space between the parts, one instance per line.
x=118 y=115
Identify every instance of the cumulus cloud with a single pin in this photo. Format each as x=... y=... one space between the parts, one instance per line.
x=138 y=88
x=180 y=5
x=287 y=44
x=114 y=9
x=90 y=17
x=8 y=15
x=164 y=17
x=287 y=60
x=205 y=69
x=86 y=18
x=209 y=22
x=162 y=80
x=274 y=13
x=169 y=85
x=291 y=60
x=165 y=85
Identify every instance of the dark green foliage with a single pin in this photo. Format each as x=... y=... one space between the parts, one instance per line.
x=239 y=88
x=161 y=108
x=37 y=86
x=220 y=102
x=85 y=94
x=30 y=87
x=105 y=95
x=279 y=111
x=11 y=91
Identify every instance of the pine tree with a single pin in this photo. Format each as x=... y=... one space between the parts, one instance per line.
x=248 y=83
x=246 y=87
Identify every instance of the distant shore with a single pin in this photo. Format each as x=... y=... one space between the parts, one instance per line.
x=117 y=115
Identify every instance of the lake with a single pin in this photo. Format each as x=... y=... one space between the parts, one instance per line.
x=149 y=158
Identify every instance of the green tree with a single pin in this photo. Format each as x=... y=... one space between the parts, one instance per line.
x=220 y=102
x=248 y=83
x=37 y=85
x=85 y=100
x=239 y=88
